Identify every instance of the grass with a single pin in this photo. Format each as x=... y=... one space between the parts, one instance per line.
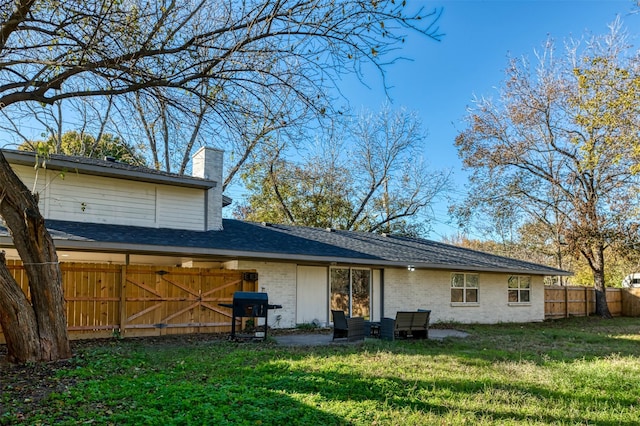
x=582 y=371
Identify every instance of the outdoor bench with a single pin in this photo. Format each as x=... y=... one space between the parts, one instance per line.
x=406 y=324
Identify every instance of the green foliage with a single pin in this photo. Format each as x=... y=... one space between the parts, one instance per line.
x=618 y=266
x=607 y=101
x=554 y=159
x=311 y=195
x=577 y=371
x=307 y=326
x=84 y=145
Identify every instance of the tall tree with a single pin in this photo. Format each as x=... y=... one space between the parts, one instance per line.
x=370 y=177
x=173 y=129
x=560 y=147
x=52 y=51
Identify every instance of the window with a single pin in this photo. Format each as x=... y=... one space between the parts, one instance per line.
x=519 y=289
x=360 y=292
x=464 y=288
x=351 y=291
x=340 y=289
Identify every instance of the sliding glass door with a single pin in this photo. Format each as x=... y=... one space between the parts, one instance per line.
x=351 y=291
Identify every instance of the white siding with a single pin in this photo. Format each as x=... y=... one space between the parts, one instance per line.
x=181 y=208
x=376 y=294
x=86 y=198
x=102 y=200
x=28 y=177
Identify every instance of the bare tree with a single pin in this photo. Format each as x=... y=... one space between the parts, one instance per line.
x=174 y=129
x=392 y=177
x=369 y=177
x=560 y=148
x=52 y=51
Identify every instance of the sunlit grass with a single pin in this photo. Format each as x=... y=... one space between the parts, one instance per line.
x=579 y=371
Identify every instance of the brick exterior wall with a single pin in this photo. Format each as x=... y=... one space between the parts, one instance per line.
x=207 y=164
x=409 y=290
x=278 y=279
x=428 y=289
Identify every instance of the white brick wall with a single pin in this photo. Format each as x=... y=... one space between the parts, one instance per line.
x=207 y=164
x=408 y=290
x=279 y=280
x=420 y=289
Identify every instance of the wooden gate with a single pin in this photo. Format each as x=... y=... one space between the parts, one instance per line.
x=103 y=300
x=179 y=300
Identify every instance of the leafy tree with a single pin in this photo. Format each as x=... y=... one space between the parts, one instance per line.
x=369 y=178
x=312 y=194
x=560 y=149
x=84 y=145
x=222 y=52
x=542 y=241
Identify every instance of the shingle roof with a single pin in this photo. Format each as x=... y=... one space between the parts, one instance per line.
x=241 y=239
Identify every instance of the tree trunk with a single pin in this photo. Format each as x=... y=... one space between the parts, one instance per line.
x=15 y=309
x=35 y=330
x=602 y=308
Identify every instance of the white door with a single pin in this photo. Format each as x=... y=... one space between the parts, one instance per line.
x=376 y=291
x=311 y=295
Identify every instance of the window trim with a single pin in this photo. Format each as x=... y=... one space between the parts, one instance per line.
x=465 y=287
x=518 y=290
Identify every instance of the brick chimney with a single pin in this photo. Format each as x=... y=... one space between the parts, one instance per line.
x=207 y=164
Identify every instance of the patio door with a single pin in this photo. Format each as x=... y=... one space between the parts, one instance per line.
x=351 y=291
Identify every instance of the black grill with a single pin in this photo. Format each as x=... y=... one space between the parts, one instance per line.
x=249 y=304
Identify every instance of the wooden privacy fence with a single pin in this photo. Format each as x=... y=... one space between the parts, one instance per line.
x=568 y=301
x=103 y=300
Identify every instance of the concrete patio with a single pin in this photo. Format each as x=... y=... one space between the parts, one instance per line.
x=327 y=339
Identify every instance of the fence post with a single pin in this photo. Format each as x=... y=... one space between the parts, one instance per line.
x=566 y=301
x=123 y=299
x=586 y=301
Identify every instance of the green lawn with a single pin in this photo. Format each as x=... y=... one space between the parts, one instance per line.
x=583 y=371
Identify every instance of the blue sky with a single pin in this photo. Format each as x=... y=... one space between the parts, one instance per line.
x=442 y=78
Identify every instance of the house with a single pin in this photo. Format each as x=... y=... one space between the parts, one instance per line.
x=631 y=281
x=107 y=212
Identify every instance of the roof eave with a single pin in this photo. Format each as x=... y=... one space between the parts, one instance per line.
x=240 y=254
x=28 y=159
